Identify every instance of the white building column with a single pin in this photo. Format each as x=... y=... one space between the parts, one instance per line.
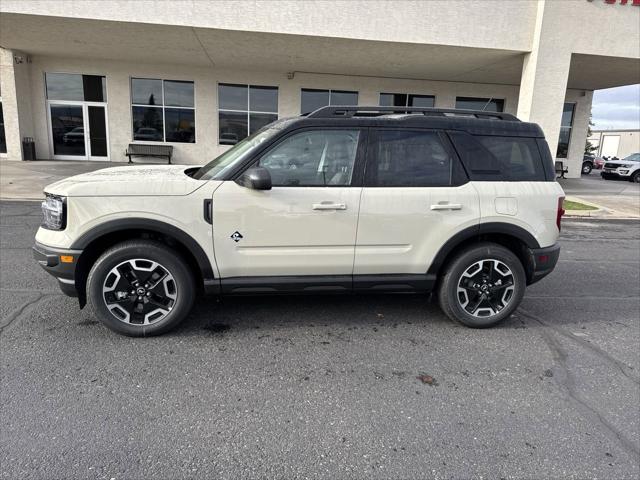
x=581 y=115
x=15 y=88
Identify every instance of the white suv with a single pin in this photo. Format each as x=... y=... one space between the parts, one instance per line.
x=628 y=168
x=345 y=199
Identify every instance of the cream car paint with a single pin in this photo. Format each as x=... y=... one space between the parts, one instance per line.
x=285 y=230
x=536 y=204
x=401 y=229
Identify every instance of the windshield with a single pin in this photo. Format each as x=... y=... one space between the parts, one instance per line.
x=215 y=169
x=634 y=157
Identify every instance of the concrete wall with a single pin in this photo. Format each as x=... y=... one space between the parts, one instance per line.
x=205 y=81
x=629 y=141
x=472 y=23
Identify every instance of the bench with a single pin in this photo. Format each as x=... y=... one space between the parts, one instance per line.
x=561 y=169
x=144 y=150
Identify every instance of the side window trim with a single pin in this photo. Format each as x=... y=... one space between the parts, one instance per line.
x=458 y=175
x=358 y=164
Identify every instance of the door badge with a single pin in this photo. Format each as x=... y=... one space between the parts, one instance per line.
x=236 y=236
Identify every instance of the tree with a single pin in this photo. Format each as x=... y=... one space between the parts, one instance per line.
x=588 y=147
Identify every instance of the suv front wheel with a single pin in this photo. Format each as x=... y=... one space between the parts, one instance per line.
x=482 y=285
x=140 y=288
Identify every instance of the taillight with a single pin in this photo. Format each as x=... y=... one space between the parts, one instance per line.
x=560 y=212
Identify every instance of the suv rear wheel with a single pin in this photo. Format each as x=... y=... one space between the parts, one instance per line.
x=140 y=288
x=482 y=285
x=586 y=168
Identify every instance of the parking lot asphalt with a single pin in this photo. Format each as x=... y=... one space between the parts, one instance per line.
x=325 y=386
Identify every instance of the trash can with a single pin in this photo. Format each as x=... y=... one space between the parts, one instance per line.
x=28 y=148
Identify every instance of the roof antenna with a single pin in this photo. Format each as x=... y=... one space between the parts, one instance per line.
x=486 y=104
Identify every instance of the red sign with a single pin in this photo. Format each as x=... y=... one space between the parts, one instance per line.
x=623 y=2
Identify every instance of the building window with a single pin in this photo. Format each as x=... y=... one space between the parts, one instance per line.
x=163 y=110
x=565 y=130
x=406 y=100
x=76 y=87
x=314 y=99
x=3 y=140
x=244 y=109
x=485 y=104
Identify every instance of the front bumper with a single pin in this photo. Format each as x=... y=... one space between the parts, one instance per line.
x=63 y=269
x=616 y=173
x=542 y=262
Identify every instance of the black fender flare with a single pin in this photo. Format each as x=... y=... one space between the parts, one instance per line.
x=476 y=231
x=124 y=224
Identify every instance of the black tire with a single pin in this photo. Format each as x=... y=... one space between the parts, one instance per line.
x=635 y=178
x=178 y=282
x=586 y=168
x=449 y=297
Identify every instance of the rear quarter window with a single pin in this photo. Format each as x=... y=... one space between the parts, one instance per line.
x=497 y=158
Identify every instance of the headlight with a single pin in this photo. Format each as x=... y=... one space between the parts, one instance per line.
x=54 y=211
x=626 y=166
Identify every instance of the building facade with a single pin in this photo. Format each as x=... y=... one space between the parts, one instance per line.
x=85 y=79
x=615 y=143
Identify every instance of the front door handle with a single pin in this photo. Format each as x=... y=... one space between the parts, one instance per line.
x=329 y=206
x=447 y=206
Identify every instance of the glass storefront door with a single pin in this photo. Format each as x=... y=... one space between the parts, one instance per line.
x=78 y=131
x=77 y=116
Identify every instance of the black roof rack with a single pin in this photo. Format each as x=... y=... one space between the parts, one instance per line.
x=353 y=110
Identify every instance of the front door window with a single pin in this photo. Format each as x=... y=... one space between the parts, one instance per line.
x=313 y=158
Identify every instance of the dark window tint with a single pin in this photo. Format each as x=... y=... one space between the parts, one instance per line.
x=263 y=99
x=94 y=88
x=244 y=109
x=233 y=97
x=72 y=86
x=233 y=127
x=314 y=99
x=339 y=97
x=488 y=158
x=313 y=158
x=486 y=104
x=3 y=140
x=406 y=100
x=405 y=158
x=178 y=94
x=147 y=124
x=565 y=130
x=180 y=125
x=146 y=91
x=519 y=156
x=259 y=120
x=421 y=101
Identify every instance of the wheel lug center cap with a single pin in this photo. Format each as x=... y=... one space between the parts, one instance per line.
x=140 y=291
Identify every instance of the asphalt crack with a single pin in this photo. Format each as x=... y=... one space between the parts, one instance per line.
x=12 y=317
x=566 y=379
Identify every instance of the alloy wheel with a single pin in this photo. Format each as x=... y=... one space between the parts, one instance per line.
x=139 y=291
x=485 y=288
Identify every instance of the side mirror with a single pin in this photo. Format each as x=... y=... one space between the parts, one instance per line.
x=257 y=178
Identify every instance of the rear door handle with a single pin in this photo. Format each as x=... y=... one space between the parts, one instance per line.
x=447 y=206
x=329 y=206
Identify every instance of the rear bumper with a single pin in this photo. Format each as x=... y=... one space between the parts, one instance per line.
x=543 y=261
x=49 y=258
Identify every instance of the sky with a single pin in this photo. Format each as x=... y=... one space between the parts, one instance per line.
x=616 y=108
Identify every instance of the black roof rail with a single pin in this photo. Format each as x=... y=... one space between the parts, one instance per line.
x=353 y=110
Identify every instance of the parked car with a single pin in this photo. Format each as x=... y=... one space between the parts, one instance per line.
x=598 y=163
x=445 y=202
x=588 y=162
x=628 y=168
x=74 y=136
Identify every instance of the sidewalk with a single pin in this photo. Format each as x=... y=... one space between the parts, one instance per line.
x=25 y=180
x=615 y=199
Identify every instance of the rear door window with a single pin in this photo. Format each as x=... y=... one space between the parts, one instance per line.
x=408 y=158
x=498 y=158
